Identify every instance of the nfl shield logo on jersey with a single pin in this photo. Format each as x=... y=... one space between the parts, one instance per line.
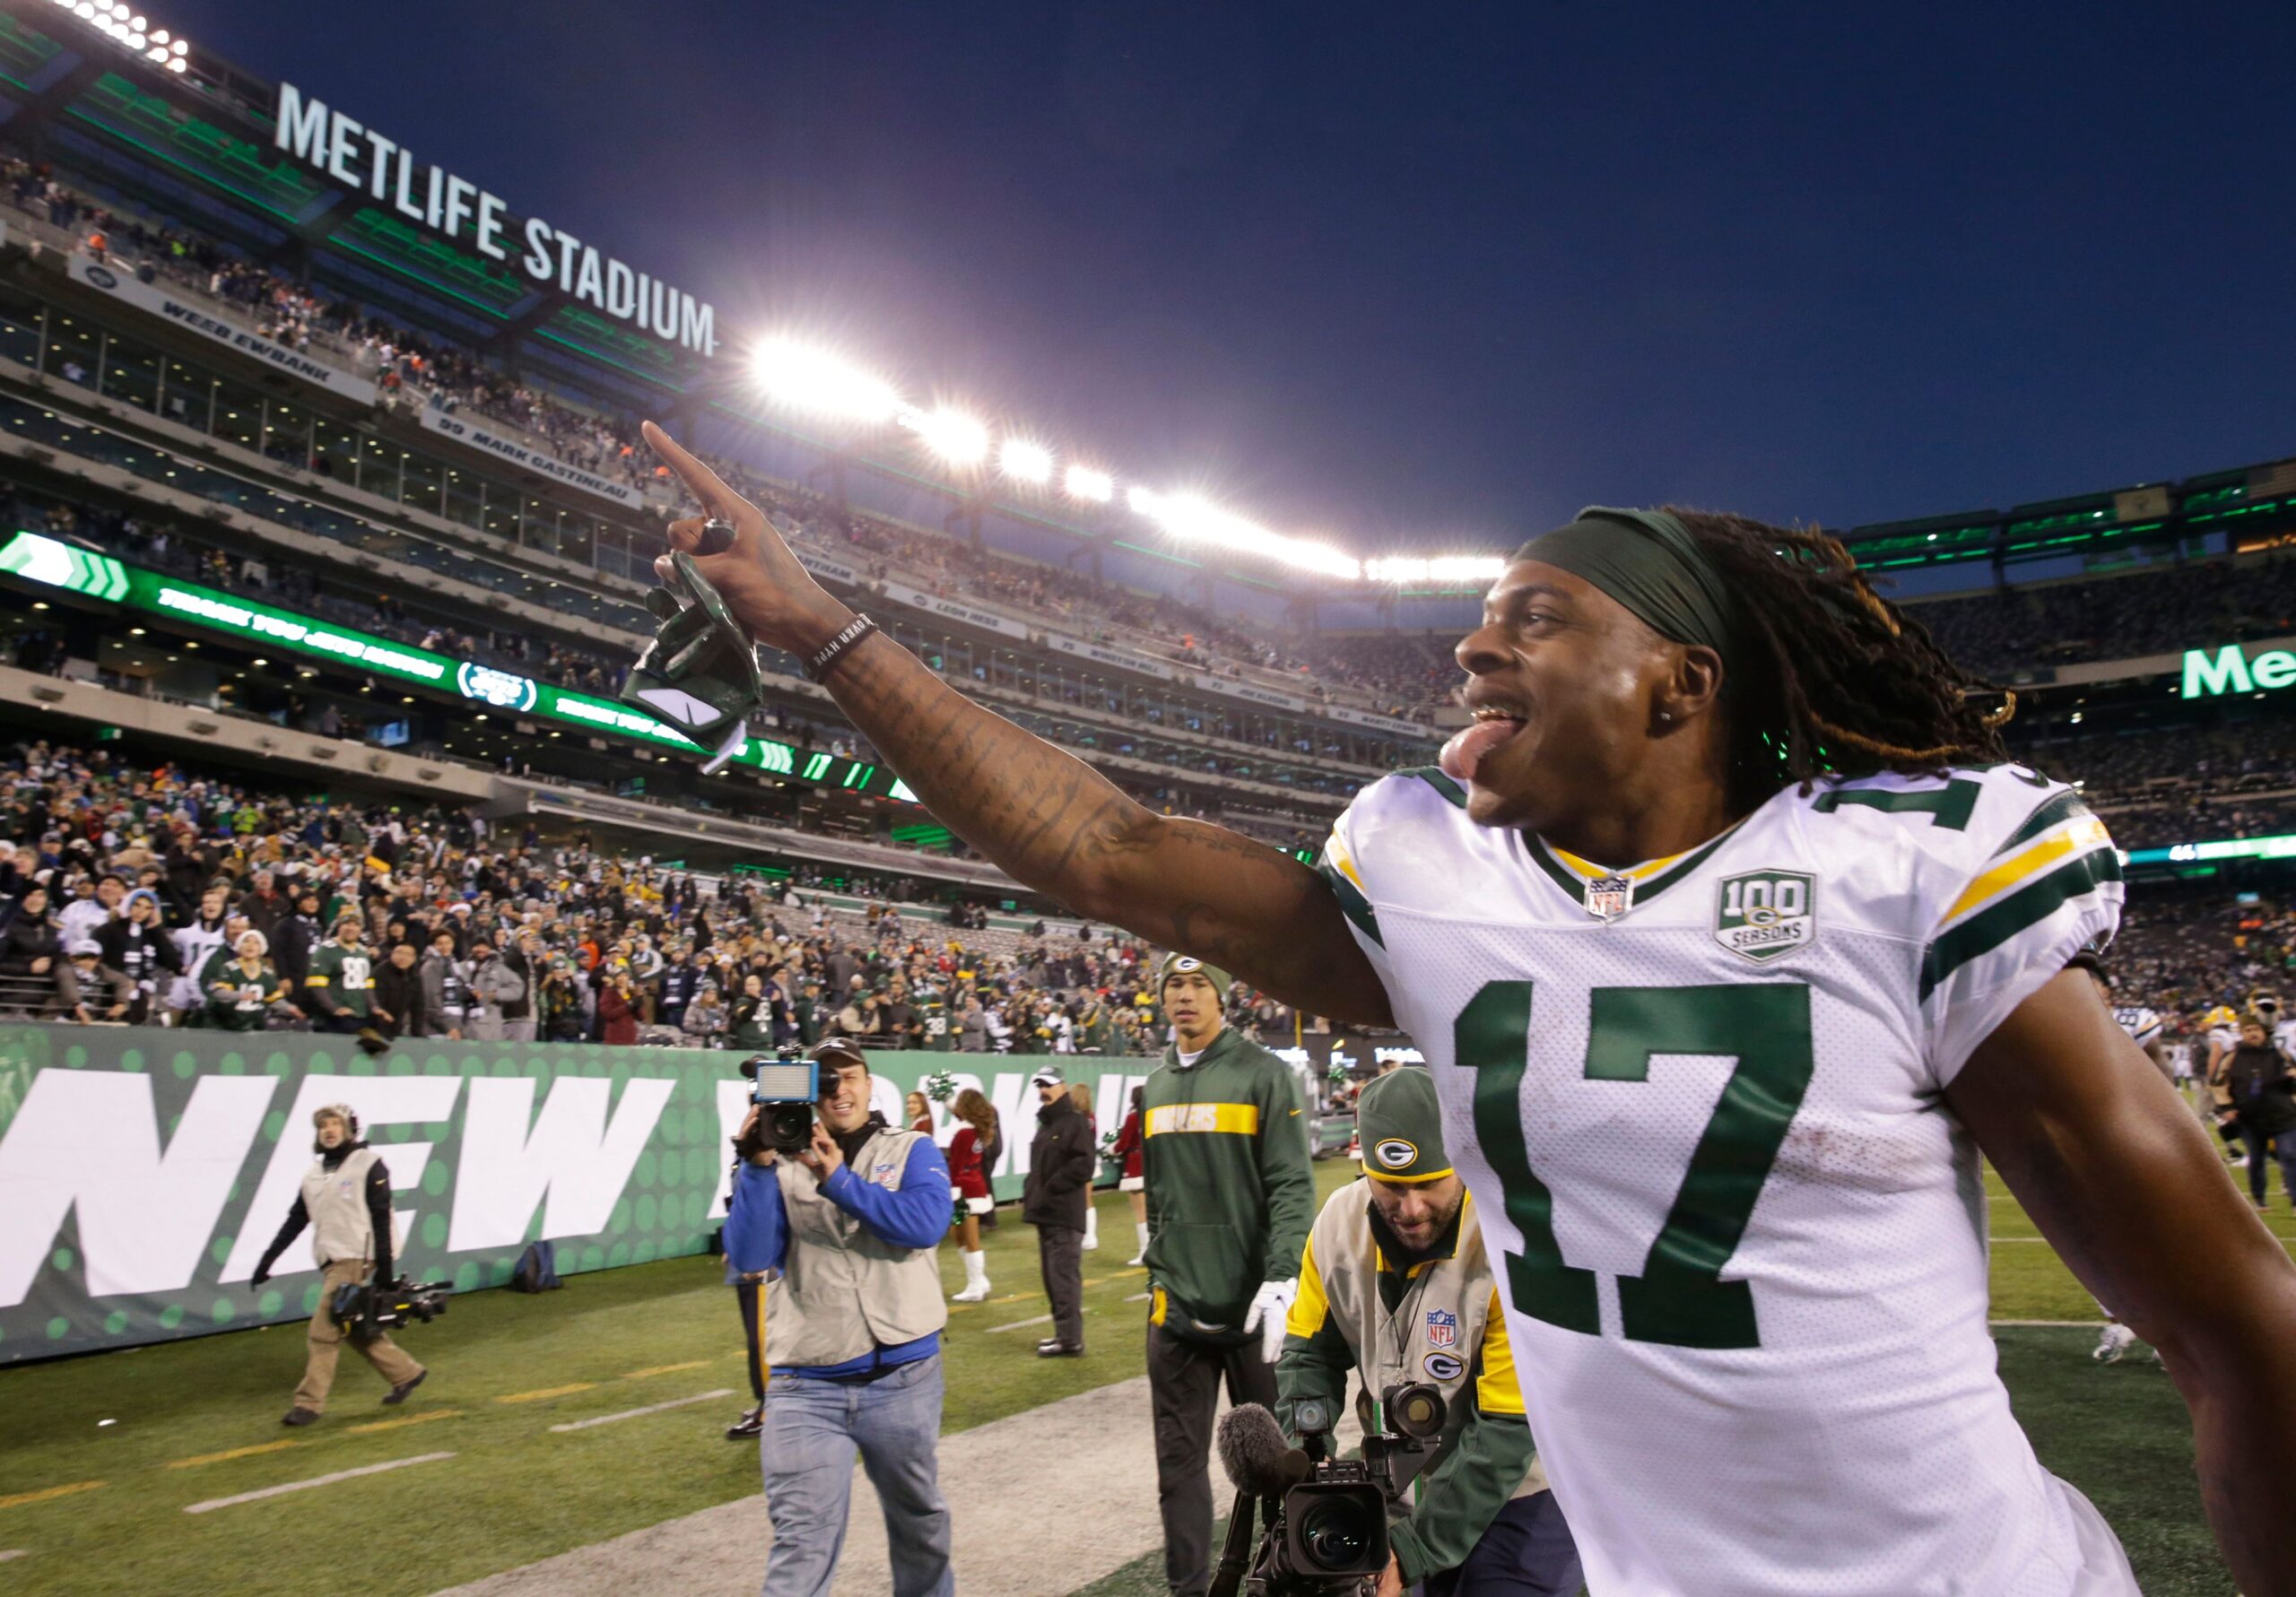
x=1763 y=914
x=1610 y=897
x=1442 y=1328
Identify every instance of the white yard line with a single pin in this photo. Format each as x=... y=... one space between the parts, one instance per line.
x=14 y=1552
x=297 y=1486
x=1018 y=1325
x=675 y=1402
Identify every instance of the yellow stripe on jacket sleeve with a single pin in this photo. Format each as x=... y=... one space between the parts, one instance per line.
x=1311 y=1307
x=1239 y=1119
x=2084 y=832
x=1496 y=1390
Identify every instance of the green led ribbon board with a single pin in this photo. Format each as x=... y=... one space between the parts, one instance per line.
x=32 y=557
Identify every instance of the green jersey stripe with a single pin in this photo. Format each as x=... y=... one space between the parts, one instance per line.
x=1433 y=775
x=1352 y=903
x=2053 y=812
x=2029 y=905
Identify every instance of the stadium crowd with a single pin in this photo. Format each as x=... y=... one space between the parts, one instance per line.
x=2000 y=634
x=126 y=891
x=1392 y=670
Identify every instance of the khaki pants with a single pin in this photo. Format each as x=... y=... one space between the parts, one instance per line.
x=390 y=1360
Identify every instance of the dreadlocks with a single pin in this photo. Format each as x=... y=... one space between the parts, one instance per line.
x=1843 y=683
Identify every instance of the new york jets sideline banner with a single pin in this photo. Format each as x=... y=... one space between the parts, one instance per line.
x=143 y=1171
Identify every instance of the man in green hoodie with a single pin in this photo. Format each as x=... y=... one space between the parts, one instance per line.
x=1231 y=1196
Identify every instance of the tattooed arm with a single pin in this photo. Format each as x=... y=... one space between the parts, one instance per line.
x=1047 y=817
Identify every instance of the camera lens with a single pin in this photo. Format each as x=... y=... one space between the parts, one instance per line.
x=1334 y=1536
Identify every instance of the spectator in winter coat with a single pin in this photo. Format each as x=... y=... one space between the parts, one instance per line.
x=31 y=955
x=1058 y=1192
x=705 y=1017
x=98 y=991
x=617 y=1011
x=674 y=988
x=493 y=985
x=400 y=1008
x=446 y=984
x=140 y=948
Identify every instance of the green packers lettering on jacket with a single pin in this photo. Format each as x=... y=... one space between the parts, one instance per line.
x=1231 y=1191
x=1438 y=1321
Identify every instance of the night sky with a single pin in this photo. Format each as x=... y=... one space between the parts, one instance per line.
x=1431 y=275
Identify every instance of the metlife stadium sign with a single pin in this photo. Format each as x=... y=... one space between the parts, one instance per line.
x=143 y=1171
x=33 y=557
x=452 y=206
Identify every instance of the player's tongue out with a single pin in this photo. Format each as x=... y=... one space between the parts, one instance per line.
x=1467 y=749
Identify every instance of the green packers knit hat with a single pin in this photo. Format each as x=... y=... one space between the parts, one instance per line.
x=1400 y=1126
x=1183 y=964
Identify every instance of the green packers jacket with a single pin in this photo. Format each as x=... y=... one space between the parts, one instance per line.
x=1231 y=1193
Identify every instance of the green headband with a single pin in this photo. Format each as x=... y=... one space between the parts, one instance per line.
x=1648 y=561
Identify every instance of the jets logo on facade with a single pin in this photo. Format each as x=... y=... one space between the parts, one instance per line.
x=1395 y=1154
x=501 y=688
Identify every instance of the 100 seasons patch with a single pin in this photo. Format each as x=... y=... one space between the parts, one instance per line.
x=1759 y=915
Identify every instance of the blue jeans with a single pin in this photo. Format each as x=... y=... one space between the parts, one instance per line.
x=813 y=1429
x=1527 y=1552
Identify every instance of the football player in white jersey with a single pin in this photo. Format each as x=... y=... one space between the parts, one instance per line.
x=1732 y=940
x=2145 y=1029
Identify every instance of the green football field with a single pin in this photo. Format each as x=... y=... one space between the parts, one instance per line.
x=97 y=1507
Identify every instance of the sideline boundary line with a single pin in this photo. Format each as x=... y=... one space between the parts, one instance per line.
x=545 y=1391
x=373 y=1426
x=675 y=1402
x=297 y=1486
x=228 y=1453
x=44 y=1493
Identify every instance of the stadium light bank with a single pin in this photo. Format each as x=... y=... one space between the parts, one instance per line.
x=820 y=382
x=130 y=29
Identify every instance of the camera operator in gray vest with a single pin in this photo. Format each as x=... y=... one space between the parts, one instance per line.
x=845 y=1234
x=1394 y=1284
x=347 y=1201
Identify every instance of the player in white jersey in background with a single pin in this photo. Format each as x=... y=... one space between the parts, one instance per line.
x=2144 y=1030
x=1738 y=943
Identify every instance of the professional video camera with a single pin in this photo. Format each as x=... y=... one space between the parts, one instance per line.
x=385 y=1306
x=784 y=1085
x=1324 y=1519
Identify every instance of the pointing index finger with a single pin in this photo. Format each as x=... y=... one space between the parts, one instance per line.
x=700 y=481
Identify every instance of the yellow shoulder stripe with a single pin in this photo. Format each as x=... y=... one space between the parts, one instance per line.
x=2083 y=833
x=1312 y=1307
x=1496 y=1390
x=1592 y=872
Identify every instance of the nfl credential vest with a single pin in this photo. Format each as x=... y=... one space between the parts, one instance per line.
x=336 y=1201
x=843 y=1289
x=1438 y=1323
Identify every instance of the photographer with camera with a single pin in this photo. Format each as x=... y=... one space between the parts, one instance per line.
x=841 y=1214
x=346 y=1200
x=1394 y=1284
x=1231 y=1194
